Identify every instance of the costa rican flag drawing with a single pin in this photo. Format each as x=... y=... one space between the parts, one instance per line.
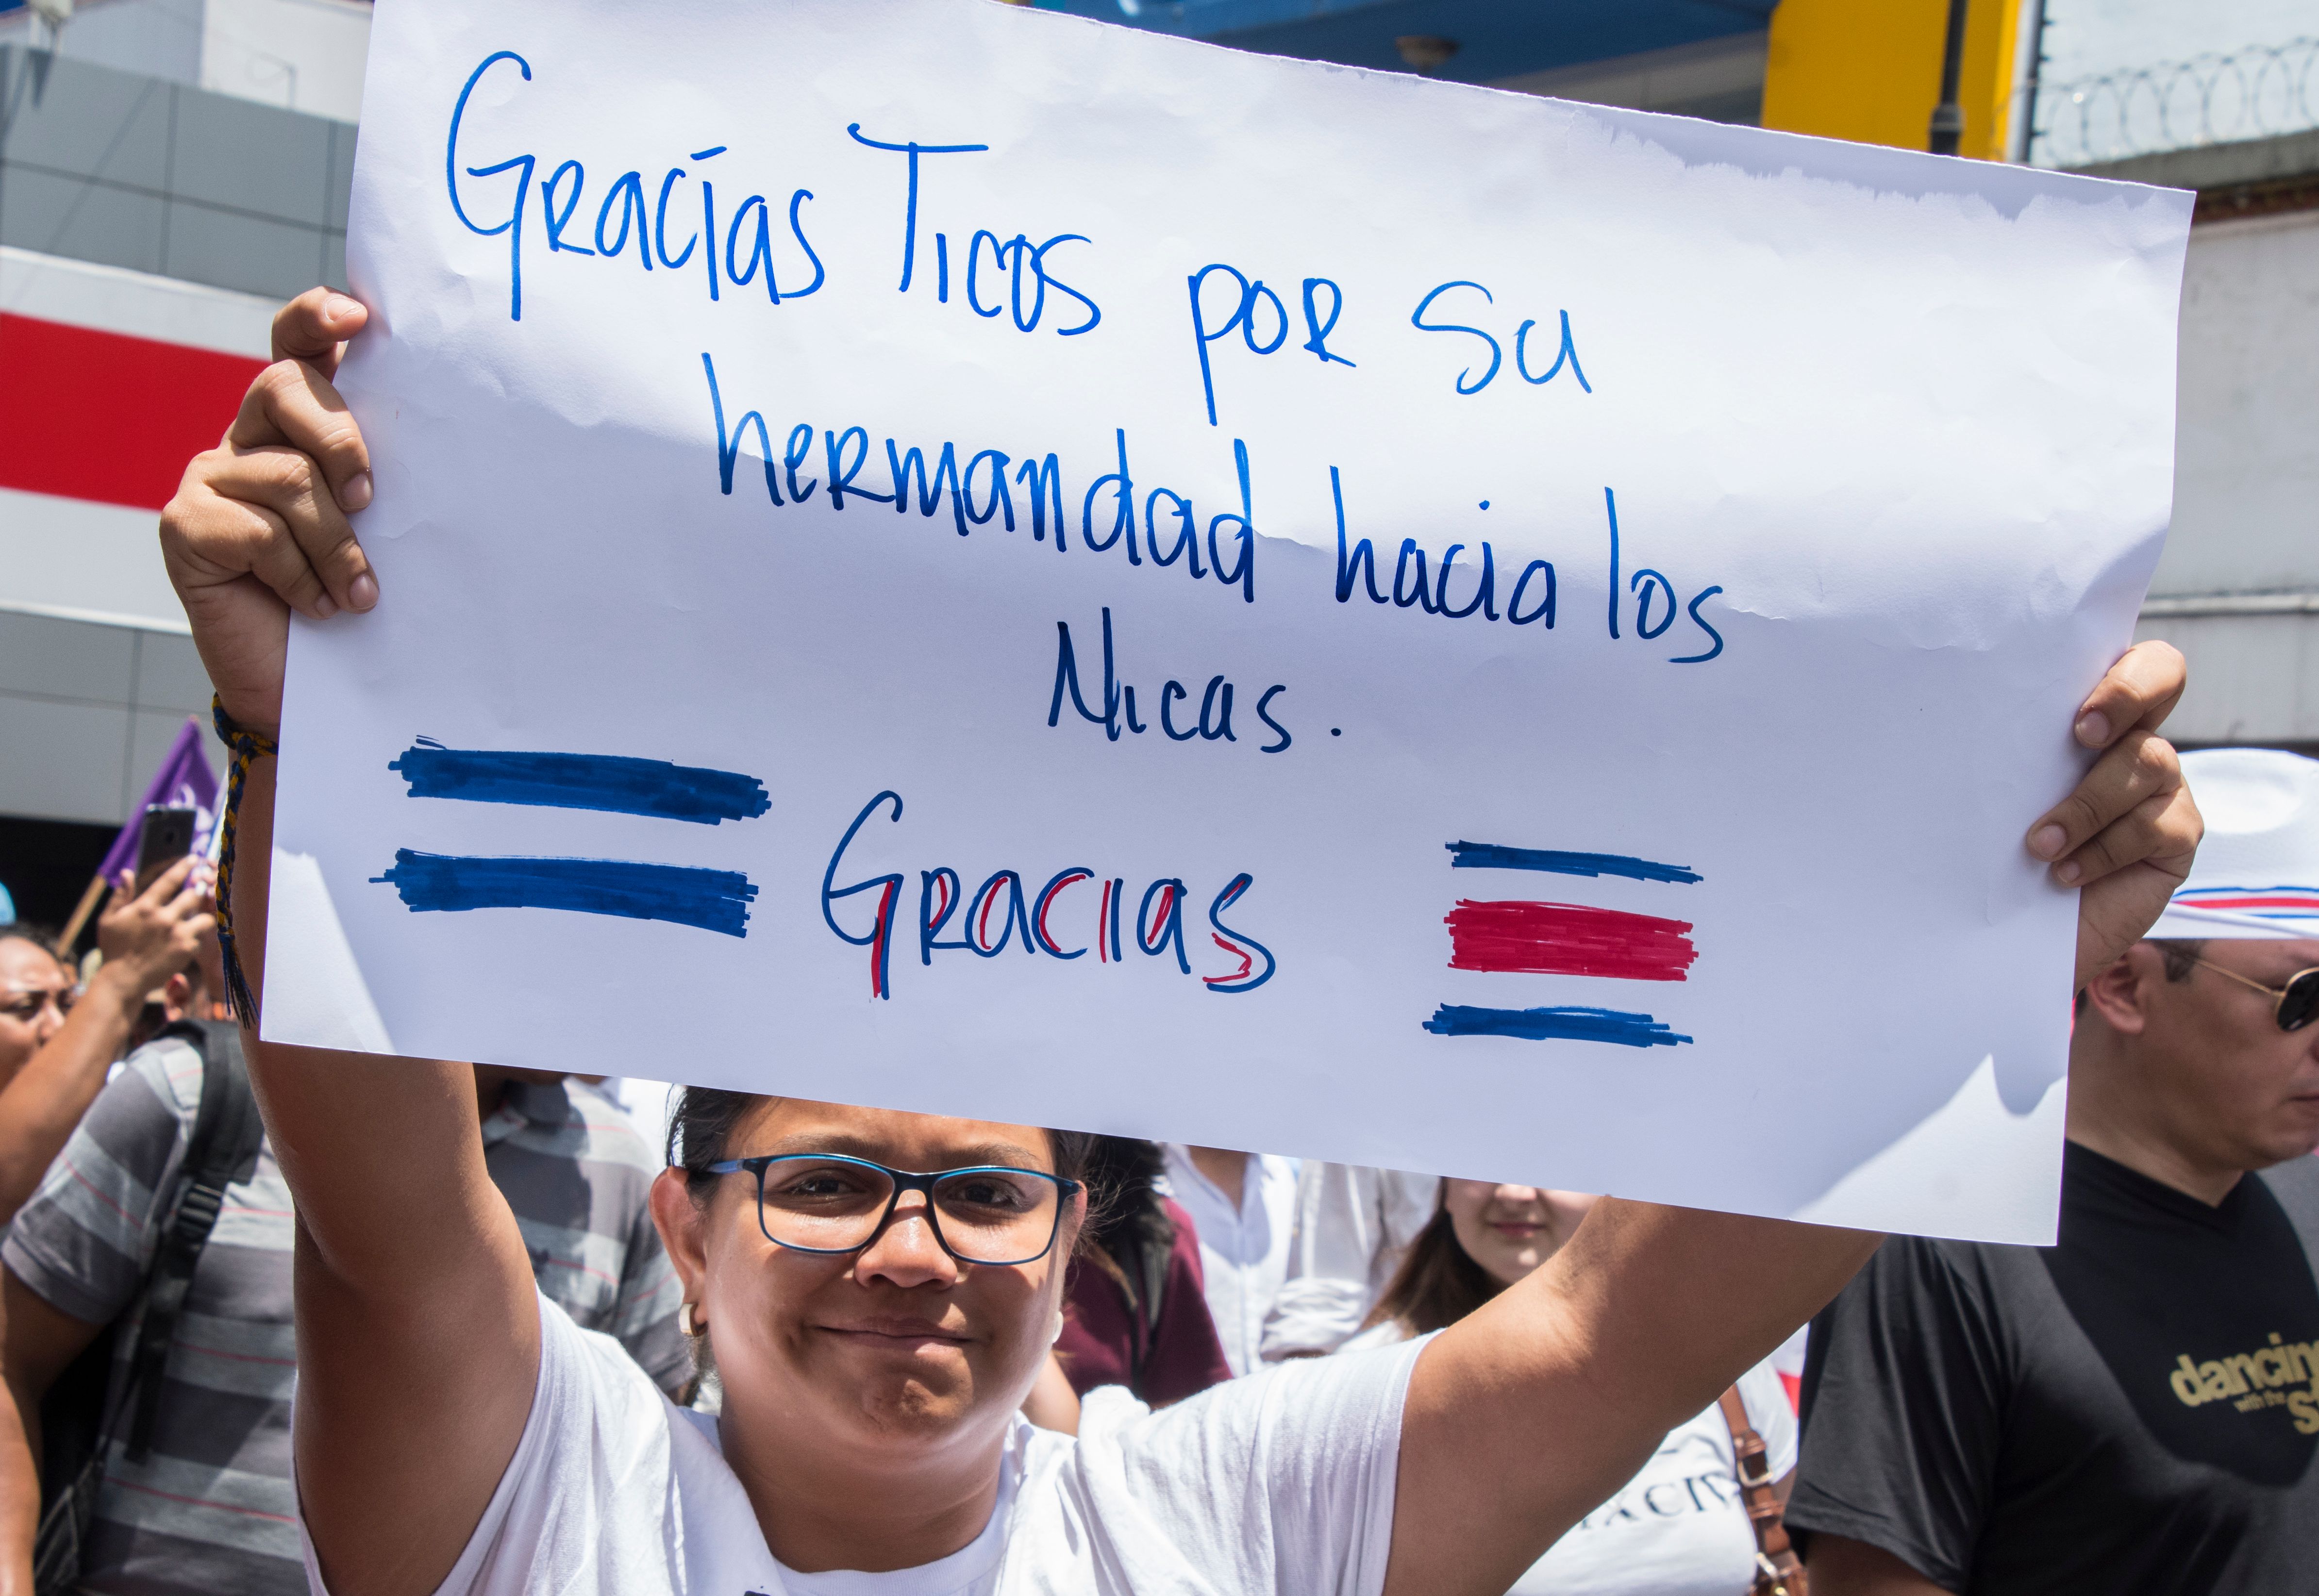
x=2264 y=903
x=1523 y=936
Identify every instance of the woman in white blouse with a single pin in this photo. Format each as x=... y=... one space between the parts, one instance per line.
x=1680 y=1527
x=876 y=1330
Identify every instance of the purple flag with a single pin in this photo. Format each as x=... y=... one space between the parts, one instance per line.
x=183 y=781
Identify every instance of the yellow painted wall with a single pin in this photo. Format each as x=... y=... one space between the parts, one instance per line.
x=1870 y=70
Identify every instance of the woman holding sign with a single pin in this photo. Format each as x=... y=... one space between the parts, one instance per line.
x=881 y=1289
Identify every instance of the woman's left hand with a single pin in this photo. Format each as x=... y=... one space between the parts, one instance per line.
x=2125 y=837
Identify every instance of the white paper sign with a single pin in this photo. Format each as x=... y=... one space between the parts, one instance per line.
x=942 y=556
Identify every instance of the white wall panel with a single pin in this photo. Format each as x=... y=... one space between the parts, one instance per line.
x=2253 y=677
x=2246 y=485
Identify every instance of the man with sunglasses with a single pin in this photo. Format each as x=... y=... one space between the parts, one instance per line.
x=2135 y=1408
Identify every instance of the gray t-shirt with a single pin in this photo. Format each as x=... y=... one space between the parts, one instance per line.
x=213 y=1509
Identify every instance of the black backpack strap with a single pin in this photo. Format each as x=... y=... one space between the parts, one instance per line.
x=221 y=1150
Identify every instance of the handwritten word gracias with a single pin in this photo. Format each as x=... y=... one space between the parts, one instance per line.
x=1075 y=913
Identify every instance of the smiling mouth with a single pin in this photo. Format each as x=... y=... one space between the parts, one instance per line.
x=896 y=1334
x=1515 y=1233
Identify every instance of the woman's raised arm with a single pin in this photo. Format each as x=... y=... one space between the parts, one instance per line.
x=417 y=1325
x=1526 y=1414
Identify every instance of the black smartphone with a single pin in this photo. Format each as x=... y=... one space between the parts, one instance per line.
x=168 y=836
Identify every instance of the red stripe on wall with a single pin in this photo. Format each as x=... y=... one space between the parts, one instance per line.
x=1567 y=939
x=88 y=414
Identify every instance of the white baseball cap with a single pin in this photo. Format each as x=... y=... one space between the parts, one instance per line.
x=2257 y=873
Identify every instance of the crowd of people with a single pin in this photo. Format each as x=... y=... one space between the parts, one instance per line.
x=196 y=1492
x=424 y=1327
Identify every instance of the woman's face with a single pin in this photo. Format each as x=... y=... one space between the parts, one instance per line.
x=1510 y=1229
x=33 y=990
x=898 y=1350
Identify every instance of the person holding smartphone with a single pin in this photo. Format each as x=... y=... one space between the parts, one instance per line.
x=58 y=1041
x=881 y=1289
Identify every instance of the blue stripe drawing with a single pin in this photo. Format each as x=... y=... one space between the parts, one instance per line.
x=711 y=900
x=618 y=784
x=1554 y=1025
x=1493 y=856
x=613 y=783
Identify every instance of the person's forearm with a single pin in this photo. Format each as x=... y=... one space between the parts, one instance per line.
x=418 y=1328
x=39 y=1107
x=20 y=1486
x=384 y=1155
x=1671 y=1305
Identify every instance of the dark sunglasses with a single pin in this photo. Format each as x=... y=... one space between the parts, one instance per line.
x=2298 y=1000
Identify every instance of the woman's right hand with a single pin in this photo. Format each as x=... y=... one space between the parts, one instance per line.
x=149 y=936
x=258 y=526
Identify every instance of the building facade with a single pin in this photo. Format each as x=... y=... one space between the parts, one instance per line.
x=2238 y=589
x=149 y=226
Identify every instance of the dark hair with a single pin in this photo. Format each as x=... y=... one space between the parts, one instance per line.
x=1123 y=1207
x=1128 y=1236
x=700 y=1128
x=17 y=931
x=1437 y=1282
x=2181 y=955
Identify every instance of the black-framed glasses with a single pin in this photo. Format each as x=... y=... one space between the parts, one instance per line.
x=2298 y=1000
x=831 y=1202
x=24 y=1004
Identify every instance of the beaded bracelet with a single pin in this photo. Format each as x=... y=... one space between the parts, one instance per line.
x=245 y=746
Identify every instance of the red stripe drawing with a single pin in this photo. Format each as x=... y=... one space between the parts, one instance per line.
x=1567 y=939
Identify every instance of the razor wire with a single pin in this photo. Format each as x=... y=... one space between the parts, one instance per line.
x=2256 y=93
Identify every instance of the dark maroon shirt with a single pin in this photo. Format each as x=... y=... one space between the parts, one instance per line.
x=1102 y=1335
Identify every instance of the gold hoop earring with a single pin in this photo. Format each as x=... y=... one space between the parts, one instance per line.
x=688 y=1322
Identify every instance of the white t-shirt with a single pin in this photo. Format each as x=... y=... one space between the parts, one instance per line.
x=1352 y=1225
x=1679 y=1528
x=1279 y=1483
x=1244 y=1248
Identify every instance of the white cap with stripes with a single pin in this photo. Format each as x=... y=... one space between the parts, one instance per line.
x=2257 y=874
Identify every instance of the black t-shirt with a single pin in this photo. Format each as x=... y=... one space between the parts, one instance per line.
x=2134 y=1409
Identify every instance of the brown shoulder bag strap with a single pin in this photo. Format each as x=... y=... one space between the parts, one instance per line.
x=1779 y=1571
